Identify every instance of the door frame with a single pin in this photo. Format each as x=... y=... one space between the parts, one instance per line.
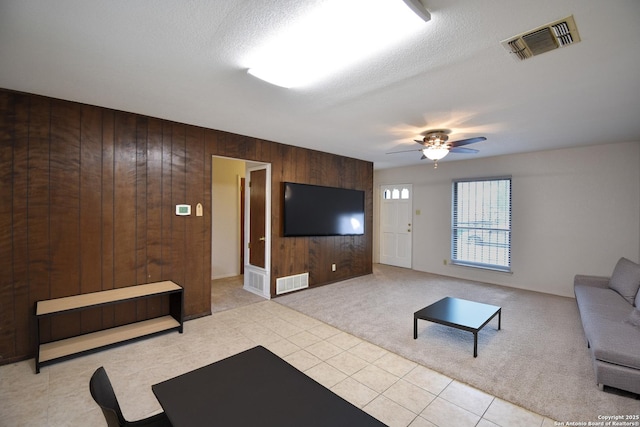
x=251 y=272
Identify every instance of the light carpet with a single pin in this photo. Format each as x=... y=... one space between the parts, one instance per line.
x=538 y=360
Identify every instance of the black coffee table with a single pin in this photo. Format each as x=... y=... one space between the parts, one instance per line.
x=459 y=313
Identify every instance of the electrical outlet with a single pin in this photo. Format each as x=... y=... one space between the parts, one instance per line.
x=444 y=262
x=333 y=267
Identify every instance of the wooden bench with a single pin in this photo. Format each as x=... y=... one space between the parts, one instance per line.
x=51 y=351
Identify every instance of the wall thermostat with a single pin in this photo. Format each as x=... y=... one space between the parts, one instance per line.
x=183 y=210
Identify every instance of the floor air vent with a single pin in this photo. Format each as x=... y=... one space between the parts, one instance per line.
x=292 y=283
x=543 y=39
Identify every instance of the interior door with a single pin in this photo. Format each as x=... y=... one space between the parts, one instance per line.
x=396 y=226
x=258 y=229
x=257 y=224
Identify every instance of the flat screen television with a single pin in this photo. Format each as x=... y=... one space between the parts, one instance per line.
x=314 y=210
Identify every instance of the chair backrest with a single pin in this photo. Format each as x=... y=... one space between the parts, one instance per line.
x=102 y=392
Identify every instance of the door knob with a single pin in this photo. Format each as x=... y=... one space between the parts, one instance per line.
x=262 y=239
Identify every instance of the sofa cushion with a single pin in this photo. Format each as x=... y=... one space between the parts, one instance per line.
x=597 y=305
x=617 y=343
x=626 y=279
x=599 y=302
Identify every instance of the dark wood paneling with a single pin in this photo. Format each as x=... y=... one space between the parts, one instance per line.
x=8 y=328
x=64 y=211
x=167 y=214
x=88 y=203
x=178 y=196
x=154 y=211
x=124 y=216
x=20 y=222
x=108 y=194
x=199 y=299
x=141 y=211
x=91 y=211
x=39 y=207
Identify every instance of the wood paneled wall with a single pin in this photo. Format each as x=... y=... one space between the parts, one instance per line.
x=87 y=203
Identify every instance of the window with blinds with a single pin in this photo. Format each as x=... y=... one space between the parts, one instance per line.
x=481 y=225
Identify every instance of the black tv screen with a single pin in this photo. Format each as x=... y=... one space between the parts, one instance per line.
x=313 y=210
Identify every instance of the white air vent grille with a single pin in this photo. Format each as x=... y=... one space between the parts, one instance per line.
x=543 y=39
x=292 y=283
x=255 y=281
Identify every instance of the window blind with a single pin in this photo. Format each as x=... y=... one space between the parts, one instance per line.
x=481 y=223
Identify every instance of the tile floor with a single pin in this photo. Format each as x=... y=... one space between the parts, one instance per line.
x=389 y=387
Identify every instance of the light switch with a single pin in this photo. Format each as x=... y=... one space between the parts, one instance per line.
x=199 y=209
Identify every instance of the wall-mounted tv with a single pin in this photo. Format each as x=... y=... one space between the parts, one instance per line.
x=313 y=210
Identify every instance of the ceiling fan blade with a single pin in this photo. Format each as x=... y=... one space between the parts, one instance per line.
x=463 y=150
x=419 y=142
x=423 y=157
x=405 y=151
x=467 y=141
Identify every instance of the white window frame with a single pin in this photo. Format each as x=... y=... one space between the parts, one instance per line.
x=481 y=223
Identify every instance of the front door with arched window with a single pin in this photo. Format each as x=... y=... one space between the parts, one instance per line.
x=396 y=225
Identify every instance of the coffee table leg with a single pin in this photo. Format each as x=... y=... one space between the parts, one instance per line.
x=499 y=318
x=475 y=344
x=415 y=328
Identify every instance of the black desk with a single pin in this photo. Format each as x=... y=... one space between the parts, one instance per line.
x=459 y=313
x=255 y=388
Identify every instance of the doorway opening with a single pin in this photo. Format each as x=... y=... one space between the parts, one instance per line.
x=240 y=237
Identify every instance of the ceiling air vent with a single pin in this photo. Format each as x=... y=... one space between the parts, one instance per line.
x=543 y=39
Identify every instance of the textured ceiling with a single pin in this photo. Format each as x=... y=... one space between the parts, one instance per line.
x=186 y=61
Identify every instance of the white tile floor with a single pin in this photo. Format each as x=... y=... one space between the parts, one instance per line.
x=395 y=390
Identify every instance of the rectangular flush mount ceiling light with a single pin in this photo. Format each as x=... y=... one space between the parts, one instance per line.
x=337 y=34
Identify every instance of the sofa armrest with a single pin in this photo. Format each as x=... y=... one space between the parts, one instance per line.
x=596 y=281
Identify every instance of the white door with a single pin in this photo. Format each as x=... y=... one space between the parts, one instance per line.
x=257 y=245
x=395 y=225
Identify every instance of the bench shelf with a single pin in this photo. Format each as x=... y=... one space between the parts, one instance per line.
x=51 y=351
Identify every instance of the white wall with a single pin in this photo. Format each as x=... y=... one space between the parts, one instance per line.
x=574 y=211
x=225 y=228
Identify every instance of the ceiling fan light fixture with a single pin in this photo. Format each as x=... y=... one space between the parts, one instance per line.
x=436 y=145
x=435 y=152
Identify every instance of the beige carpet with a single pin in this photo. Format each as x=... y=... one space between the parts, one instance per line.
x=538 y=360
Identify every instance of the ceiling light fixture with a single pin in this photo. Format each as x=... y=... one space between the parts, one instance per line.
x=436 y=147
x=336 y=35
x=435 y=153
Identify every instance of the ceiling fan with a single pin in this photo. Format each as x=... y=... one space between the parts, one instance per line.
x=436 y=145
